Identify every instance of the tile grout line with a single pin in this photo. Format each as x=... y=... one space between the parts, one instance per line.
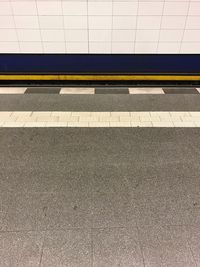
x=140 y=245
x=189 y=245
x=42 y=249
x=86 y=228
x=92 y=248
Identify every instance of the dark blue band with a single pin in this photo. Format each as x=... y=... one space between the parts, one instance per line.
x=100 y=63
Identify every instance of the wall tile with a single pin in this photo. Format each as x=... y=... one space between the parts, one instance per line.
x=53 y=8
x=77 y=47
x=76 y=35
x=7 y=22
x=75 y=22
x=74 y=8
x=51 y=22
x=26 y=22
x=100 y=26
x=53 y=35
x=24 y=7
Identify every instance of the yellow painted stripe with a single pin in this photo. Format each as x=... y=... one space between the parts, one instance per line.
x=100 y=77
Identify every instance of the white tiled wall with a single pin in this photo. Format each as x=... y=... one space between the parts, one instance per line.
x=94 y=26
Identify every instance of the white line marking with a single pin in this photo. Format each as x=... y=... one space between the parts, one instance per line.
x=12 y=90
x=141 y=91
x=77 y=91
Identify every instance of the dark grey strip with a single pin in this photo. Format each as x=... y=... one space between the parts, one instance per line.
x=43 y=90
x=181 y=90
x=102 y=90
x=111 y=90
x=48 y=102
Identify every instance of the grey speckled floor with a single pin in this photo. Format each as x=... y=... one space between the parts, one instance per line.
x=99 y=197
x=100 y=102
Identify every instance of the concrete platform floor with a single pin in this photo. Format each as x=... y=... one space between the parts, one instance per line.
x=99 y=197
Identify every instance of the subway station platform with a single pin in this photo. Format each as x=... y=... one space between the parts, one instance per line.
x=99 y=177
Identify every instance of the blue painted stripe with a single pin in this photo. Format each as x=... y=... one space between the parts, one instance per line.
x=100 y=63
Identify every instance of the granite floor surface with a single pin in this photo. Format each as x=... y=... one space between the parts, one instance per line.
x=99 y=197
